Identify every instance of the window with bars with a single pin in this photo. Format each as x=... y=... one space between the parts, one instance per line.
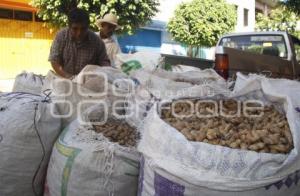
x=23 y=15
x=6 y=13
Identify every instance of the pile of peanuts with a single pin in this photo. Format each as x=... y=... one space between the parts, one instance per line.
x=119 y=132
x=268 y=133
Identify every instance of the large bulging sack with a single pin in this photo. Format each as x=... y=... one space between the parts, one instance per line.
x=28 y=83
x=184 y=68
x=27 y=134
x=86 y=162
x=111 y=74
x=280 y=86
x=92 y=86
x=194 y=77
x=165 y=84
x=173 y=165
x=160 y=85
x=138 y=60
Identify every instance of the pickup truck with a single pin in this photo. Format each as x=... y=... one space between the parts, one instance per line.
x=274 y=54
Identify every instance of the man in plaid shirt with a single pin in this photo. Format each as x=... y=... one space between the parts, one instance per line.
x=76 y=46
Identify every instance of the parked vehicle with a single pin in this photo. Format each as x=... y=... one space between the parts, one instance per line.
x=275 y=54
x=189 y=61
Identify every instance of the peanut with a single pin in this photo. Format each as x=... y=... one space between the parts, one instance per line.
x=257 y=146
x=119 y=132
x=267 y=134
x=211 y=134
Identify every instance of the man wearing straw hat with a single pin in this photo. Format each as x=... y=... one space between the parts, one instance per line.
x=107 y=26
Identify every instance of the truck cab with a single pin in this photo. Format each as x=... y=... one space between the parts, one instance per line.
x=274 y=54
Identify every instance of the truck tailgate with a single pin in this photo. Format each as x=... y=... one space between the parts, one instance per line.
x=248 y=62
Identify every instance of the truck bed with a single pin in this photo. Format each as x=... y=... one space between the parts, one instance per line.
x=248 y=62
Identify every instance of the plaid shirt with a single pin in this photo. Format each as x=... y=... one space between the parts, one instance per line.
x=74 y=56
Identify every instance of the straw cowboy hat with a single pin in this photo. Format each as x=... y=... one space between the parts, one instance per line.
x=109 y=18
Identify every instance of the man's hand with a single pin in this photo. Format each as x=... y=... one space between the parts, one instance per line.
x=59 y=70
x=68 y=76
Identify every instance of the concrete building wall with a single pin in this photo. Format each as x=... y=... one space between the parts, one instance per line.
x=166 y=11
x=246 y=11
x=167 y=8
x=245 y=15
x=24 y=42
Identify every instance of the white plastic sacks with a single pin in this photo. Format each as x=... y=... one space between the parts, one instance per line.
x=165 y=84
x=27 y=134
x=184 y=68
x=138 y=60
x=160 y=85
x=28 y=83
x=172 y=165
x=84 y=162
x=93 y=85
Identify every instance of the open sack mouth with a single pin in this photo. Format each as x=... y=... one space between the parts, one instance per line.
x=119 y=131
x=230 y=123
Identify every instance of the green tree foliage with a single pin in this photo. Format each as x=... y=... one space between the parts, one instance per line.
x=202 y=22
x=293 y=5
x=131 y=14
x=279 y=19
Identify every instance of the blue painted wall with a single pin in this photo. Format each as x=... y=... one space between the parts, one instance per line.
x=145 y=39
x=142 y=40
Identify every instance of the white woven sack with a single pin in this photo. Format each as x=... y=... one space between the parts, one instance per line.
x=27 y=134
x=175 y=166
